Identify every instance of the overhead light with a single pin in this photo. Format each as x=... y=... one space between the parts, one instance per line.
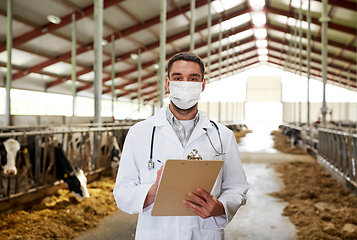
x=156 y=66
x=259 y=19
x=260 y=33
x=134 y=56
x=262 y=51
x=53 y=19
x=262 y=43
x=263 y=58
x=104 y=42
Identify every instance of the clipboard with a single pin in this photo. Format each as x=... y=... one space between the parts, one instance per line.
x=179 y=177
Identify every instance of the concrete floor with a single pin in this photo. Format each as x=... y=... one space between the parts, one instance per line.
x=261 y=217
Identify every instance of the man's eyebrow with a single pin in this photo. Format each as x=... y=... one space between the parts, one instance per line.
x=174 y=74
x=191 y=75
x=195 y=75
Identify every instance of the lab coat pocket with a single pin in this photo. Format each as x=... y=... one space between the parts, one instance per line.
x=193 y=233
x=149 y=234
x=211 y=234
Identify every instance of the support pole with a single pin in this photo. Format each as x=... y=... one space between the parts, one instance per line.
x=220 y=64
x=192 y=26
x=209 y=40
x=308 y=61
x=139 y=81
x=73 y=61
x=340 y=107
x=348 y=103
x=162 y=49
x=113 y=73
x=300 y=57
x=8 y=63
x=98 y=69
x=227 y=56
x=324 y=25
x=98 y=63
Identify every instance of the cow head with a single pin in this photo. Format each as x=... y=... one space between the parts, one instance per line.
x=75 y=179
x=8 y=154
x=77 y=183
x=114 y=162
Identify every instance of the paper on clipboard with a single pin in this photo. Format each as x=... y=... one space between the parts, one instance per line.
x=179 y=177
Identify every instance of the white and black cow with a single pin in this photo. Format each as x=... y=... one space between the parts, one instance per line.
x=74 y=178
x=114 y=152
x=9 y=150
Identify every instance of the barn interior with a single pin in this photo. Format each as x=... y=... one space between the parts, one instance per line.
x=81 y=73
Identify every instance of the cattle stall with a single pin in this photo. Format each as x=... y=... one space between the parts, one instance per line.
x=87 y=147
x=335 y=148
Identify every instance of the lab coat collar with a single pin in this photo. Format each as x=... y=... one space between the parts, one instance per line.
x=199 y=130
x=161 y=121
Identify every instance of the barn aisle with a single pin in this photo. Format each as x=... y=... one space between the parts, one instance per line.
x=260 y=219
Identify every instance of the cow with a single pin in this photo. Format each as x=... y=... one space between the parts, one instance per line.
x=294 y=137
x=74 y=178
x=114 y=152
x=109 y=147
x=9 y=150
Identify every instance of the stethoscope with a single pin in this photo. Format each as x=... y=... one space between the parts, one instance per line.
x=151 y=163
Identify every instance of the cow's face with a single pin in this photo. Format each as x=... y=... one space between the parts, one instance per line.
x=77 y=184
x=8 y=155
x=114 y=163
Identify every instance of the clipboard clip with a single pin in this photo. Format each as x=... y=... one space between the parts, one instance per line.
x=194 y=155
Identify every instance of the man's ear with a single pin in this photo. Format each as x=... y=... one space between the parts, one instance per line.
x=167 y=84
x=204 y=84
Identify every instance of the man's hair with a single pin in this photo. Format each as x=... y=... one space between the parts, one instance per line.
x=189 y=57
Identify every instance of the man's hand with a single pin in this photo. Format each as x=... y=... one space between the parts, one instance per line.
x=150 y=197
x=209 y=205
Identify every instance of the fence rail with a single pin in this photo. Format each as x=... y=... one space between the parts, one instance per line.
x=336 y=147
x=339 y=150
x=82 y=144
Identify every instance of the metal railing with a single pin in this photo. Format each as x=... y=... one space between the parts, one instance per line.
x=38 y=172
x=339 y=150
x=336 y=147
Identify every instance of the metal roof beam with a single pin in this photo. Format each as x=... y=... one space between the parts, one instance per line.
x=124 y=33
x=50 y=27
x=155 y=45
x=314 y=68
x=331 y=25
x=342 y=4
x=317 y=39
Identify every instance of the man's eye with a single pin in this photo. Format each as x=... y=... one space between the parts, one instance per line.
x=177 y=79
x=193 y=79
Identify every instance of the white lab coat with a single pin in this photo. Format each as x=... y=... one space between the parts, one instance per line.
x=134 y=179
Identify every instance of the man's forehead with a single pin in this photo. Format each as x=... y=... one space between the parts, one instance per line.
x=185 y=67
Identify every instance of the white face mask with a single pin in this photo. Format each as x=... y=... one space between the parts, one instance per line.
x=185 y=94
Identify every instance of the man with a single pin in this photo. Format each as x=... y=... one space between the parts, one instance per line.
x=172 y=134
